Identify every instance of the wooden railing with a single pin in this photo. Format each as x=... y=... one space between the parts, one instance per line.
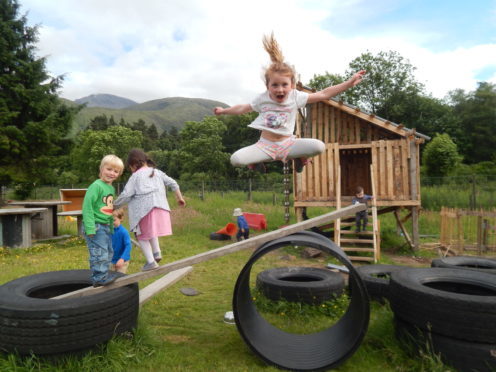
x=468 y=230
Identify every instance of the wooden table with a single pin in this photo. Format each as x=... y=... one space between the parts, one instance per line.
x=46 y=226
x=79 y=218
x=15 y=226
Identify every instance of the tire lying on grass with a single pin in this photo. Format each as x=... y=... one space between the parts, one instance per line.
x=450 y=302
x=376 y=279
x=30 y=322
x=219 y=236
x=322 y=350
x=300 y=284
x=465 y=356
x=466 y=262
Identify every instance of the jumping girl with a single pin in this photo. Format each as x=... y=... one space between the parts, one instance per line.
x=277 y=108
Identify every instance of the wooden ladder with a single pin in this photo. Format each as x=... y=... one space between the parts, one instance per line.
x=365 y=245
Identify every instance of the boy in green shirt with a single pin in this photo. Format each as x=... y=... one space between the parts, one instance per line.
x=98 y=205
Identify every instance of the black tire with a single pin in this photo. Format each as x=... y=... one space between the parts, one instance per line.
x=466 y=262
x=465 y=356
x=323 y=350
x=376 y=279
x=300 y=284
x=450 y=302
x=217 y=236
x=30 y=322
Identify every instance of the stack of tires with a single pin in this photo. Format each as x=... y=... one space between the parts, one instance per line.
x=376 y=279
x=448 y=309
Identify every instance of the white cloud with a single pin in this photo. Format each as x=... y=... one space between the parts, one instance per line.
x=155 y=49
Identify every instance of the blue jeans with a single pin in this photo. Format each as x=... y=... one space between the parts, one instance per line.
x=100 y=250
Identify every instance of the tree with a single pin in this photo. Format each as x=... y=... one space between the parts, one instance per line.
x=390 y=90
x=91 y=146
x=319 y=82
x=201 y=146
x=387 y=89
x=440 y=156
x=477 y=115
x=33 y=121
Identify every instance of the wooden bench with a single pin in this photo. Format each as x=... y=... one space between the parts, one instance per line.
x=79 y=218
x=75 y=196
x=44 y=226
x=15 y=226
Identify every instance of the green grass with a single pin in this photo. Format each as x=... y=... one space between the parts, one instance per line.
x=187 y=333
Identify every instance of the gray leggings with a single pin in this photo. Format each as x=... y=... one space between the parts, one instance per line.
x=302 y=148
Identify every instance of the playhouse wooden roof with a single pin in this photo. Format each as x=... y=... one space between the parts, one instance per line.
x=387 y=125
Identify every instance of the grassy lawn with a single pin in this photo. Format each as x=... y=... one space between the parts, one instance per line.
x=187 y=333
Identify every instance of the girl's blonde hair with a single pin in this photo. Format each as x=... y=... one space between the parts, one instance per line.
x=113 y=161
x=278 y=65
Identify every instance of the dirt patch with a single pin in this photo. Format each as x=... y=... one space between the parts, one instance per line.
x=410 y=261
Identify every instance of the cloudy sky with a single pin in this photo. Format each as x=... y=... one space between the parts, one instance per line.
x=151 y=49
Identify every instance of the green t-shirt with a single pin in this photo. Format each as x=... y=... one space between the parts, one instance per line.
x=98 y=205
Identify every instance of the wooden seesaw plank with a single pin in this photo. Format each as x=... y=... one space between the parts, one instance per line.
x=253 y=242
x=160 y=284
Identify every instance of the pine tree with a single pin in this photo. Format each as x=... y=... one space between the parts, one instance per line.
x=33 y=121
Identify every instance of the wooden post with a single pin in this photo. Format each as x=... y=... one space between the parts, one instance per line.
x=337 y=223
x=254 y=242
x=375 y=226
x=403 y=229
x=249 y=196
x=414 y=174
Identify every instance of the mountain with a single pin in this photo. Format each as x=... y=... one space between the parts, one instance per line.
x=164 y=113
x=105 y=100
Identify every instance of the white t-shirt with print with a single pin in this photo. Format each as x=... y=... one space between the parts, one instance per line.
x=278 y=117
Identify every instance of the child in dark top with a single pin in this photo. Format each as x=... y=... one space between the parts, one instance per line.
x=243 y=228
x=98 y=205
x=121 y=243
x=361 y=218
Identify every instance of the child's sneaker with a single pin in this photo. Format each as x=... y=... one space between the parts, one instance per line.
x=150 y=266
x=157 y=256
x=258 y=167
x=111 y=277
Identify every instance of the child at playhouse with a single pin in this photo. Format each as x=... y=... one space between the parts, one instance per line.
x=149 y=211
x=98 y=221
x=121 y=243
x=277 y=108
x=361 y=218
x=243 y=228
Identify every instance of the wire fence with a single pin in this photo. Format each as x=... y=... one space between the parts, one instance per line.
x=478 y=192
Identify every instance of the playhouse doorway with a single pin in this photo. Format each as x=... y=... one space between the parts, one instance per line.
x=355 y=170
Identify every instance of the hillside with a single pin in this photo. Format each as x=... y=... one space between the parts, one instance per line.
x=105 y=100
x=164 y=113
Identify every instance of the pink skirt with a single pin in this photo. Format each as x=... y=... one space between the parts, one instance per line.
x=154 y=224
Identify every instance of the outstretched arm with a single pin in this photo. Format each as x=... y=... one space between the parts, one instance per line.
x=334 y=90
x=233 y=110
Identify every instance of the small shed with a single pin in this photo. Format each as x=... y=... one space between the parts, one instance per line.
x=361 y=149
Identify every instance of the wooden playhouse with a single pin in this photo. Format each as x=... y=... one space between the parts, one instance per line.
x=361 y=150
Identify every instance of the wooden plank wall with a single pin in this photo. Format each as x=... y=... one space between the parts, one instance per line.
x=317 y=182
x=389 y=155
x=390 y=159
x=330 y=124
